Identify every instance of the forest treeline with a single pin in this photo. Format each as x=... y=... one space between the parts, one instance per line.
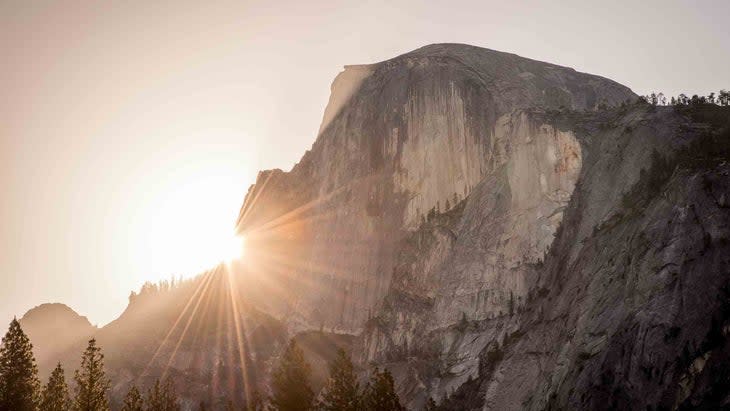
x=721 y=98
x=291 y=390
x=21 y=390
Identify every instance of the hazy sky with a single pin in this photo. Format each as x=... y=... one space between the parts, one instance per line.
x=130 y=130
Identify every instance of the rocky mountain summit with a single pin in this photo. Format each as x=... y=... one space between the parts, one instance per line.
x=506 y=233
x=501 y=233
x=54 y=328
x=409 y=138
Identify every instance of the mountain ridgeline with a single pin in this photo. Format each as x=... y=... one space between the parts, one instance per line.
x=499 y=233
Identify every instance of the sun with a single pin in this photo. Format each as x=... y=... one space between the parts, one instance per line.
x=233 y=249
x=186 y=227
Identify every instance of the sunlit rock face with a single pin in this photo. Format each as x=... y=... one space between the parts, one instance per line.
x=402 y=141
x=509 y=221
x=476 y=261
x=500 y=240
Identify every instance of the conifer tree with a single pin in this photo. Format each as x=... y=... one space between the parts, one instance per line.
x=724 y=98
x=19 y=384
x=380 y=393
x=91 y=382
x=162 y=397
x=133 y=400
x=290 y=382
x=54 y=396
x=342 y=392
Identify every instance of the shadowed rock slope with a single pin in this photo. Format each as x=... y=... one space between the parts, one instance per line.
x=627 y=310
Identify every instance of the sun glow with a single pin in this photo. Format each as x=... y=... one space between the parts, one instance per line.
x=210 y=252
x=235 y=248
x=186 y=227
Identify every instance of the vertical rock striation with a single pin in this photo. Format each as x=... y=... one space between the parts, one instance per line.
x=502 y=235
x=402 y=141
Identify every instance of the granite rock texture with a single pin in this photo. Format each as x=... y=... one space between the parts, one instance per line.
x=503 y=234
x=401 y=141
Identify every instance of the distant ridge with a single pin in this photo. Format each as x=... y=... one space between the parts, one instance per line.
x=53 y=328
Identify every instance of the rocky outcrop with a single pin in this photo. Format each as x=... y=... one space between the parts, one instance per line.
x=628 y=309
x=507 y=234
x=401 y=141
x=633 y=299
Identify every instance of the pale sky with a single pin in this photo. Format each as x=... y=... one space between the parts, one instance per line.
x=130 y=130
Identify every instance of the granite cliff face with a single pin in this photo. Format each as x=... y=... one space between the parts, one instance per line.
x=402 y=141
x=507 y=234
x=625 y=309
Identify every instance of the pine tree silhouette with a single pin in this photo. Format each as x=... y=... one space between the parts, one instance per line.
x=19 y=384
x=133 y=401
x=54 y=396
x=162 y=397
x=290 y=382
x=91 y=382
x=380 y=393
x=342 y=392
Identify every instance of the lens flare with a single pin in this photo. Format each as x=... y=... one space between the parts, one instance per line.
x=234 y=249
